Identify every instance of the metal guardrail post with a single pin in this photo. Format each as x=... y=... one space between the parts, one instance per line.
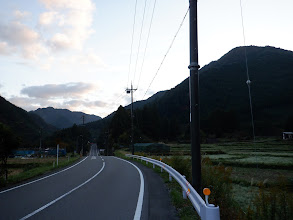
x=205 y=210
x=184 y=194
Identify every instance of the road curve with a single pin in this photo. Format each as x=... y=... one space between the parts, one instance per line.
x=97 y=188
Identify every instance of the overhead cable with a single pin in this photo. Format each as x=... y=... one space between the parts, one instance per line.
x=131 y=42
x=138 y=49
x=146 y=44
x=166 y=53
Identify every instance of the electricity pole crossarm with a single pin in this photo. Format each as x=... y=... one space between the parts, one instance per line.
x=131 y=91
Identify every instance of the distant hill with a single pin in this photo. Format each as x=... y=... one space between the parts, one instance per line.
x=63 y=118
x=25 y=125
x=224 y=96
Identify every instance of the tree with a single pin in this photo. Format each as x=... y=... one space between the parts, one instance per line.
x=8 y=142
x=289 y=123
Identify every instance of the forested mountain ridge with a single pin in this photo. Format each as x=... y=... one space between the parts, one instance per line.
x=223 y=86
x=28 y=127
x=63 y=118
x=224 y=99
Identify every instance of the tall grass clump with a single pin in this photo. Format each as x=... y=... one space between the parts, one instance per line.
x=274 y=203
x=218 y=179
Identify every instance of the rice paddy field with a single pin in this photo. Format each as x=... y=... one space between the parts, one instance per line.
x=263 y=162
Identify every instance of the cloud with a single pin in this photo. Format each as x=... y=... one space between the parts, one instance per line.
x=47 y=18
x=74 y=20
x=18 y=37
x=87 y=104
x=59 y=90
x=28 y=103
x=17 y=33
x=20 y=15
x=5 y=49
x=64 y=25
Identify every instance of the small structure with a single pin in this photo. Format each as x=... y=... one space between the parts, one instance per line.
x=287 y=135
x=155 y=148
x=23 y=153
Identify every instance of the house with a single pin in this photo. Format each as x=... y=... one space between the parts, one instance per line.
x=287 y=135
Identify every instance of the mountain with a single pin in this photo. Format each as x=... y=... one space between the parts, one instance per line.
x=224 y=98
x=25 y=125
x=63 y=118
x=223 y=87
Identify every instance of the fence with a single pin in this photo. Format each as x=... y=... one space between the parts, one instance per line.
x=205 y=210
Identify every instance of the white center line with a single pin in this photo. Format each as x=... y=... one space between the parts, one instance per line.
x=52 y=202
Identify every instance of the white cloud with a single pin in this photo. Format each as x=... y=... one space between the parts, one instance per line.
x=69 y=90
x=19 y=15
x=71 y=4
x=17 y=37
x=17 y=33
x=5 y=49
x=82 y=103
x=74 y=19
x=64 y=25
x=60 y=41
x=47 y=18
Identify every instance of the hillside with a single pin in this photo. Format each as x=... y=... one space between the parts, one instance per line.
x=224 y=100
x=25 y=125
x=63 y=118
x=223 y=86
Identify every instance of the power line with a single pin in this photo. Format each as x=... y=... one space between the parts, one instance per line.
x=138 y=49
x=146 y=43
x=167 y=52
x=131 y=42
x=248 y=82
x=247 y=72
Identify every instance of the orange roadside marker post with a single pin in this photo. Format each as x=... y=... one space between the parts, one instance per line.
x=207 y=192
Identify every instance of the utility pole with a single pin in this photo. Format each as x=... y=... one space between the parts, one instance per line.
x=40 y=139
x=131 y=91
x=194 y=98
x=82 y=133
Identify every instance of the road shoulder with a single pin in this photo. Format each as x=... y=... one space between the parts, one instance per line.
x=157 y=203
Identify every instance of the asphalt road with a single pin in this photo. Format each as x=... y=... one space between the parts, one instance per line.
x=96 y=188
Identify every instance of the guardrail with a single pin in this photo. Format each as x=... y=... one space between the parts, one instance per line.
x=205 y=210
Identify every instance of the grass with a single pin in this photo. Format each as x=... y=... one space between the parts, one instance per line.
x=23 y=169
x=256 y=170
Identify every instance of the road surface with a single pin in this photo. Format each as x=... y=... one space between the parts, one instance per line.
x=95 y=188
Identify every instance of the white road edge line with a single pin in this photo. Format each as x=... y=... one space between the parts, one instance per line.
x=66 y=194
x=45 y=177
x=141 y=192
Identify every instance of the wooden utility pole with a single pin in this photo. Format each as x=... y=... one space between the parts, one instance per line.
x=194 y=98
x=132 y=131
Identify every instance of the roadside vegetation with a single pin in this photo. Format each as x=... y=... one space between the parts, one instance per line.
x=247 y=180
x=21 y=169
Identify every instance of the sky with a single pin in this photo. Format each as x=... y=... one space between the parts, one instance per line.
x=82 y=55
